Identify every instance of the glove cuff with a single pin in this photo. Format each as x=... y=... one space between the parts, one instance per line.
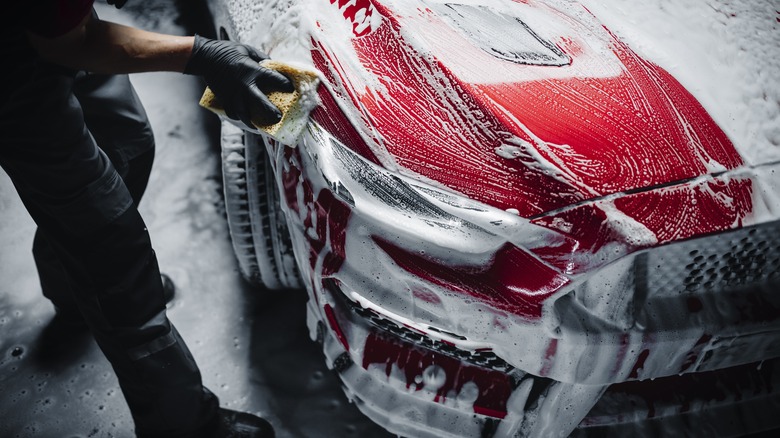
x=195 y=65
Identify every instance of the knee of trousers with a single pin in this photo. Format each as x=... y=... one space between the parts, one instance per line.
x=124 y=272
x=116 y=279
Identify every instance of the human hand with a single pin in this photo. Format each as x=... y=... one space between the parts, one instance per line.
x=117 y=3
x=232 y=72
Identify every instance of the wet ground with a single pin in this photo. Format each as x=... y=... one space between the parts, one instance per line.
x=253 y=348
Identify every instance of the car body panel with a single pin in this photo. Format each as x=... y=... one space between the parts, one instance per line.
x=547 y=137
x=545 y=221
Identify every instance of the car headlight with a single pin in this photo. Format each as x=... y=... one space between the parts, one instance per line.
x=446 y=225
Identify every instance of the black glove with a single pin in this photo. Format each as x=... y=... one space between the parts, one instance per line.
x=117 y=3
x=232 y=72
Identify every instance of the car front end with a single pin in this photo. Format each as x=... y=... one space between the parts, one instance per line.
x=530 y=236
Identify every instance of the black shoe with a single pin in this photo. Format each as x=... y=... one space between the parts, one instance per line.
x=234 y=424
x=169 y=289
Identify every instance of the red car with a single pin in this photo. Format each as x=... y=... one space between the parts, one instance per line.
x=526 y=218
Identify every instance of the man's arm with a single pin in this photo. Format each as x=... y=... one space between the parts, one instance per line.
x=230 y=69
x=104 y=47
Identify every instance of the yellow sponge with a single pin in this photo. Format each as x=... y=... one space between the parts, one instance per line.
x=295 y=106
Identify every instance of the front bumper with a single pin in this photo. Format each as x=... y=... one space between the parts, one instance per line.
x=715 y=306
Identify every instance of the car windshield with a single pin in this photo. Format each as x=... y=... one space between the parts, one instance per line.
x=504 y=36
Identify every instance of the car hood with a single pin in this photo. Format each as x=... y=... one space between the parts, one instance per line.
x=520 y=105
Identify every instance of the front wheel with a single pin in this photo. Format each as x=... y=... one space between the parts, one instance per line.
x=258 y=227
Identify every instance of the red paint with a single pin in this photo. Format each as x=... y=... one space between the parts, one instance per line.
x=683 y=212
x=332 y=119
x=588 y=232
x=489 y=412
x=332 y=218
x=409 y=120
x=330 y=215
x=494 y=387
x=350 y=13
x=621 y=355
x=291 y=173
x=335 y=327
x=570 y=47
x=640 y=363
x=637 y=130
x=671 y=214
x=426 y=296
x=549 y=357
x=693 y=355
x=514 y=281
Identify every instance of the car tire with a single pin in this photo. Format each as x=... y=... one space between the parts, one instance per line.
x=257 y=224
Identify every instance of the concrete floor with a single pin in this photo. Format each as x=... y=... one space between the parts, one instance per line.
x=253 y=347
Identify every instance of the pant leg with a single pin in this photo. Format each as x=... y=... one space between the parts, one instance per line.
x=117 y=121
x=87 y=214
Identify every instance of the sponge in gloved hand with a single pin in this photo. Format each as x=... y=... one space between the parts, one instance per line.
x=295 y=106
x=232 y=71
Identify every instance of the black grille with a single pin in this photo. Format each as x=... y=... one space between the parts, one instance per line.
x=484 y=359
x=722 y=262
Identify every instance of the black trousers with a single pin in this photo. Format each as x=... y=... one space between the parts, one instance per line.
x=79 y=150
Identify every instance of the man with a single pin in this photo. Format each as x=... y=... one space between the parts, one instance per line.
x=76 y=143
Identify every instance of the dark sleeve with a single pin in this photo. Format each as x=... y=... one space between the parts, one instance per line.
x=52 y=18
